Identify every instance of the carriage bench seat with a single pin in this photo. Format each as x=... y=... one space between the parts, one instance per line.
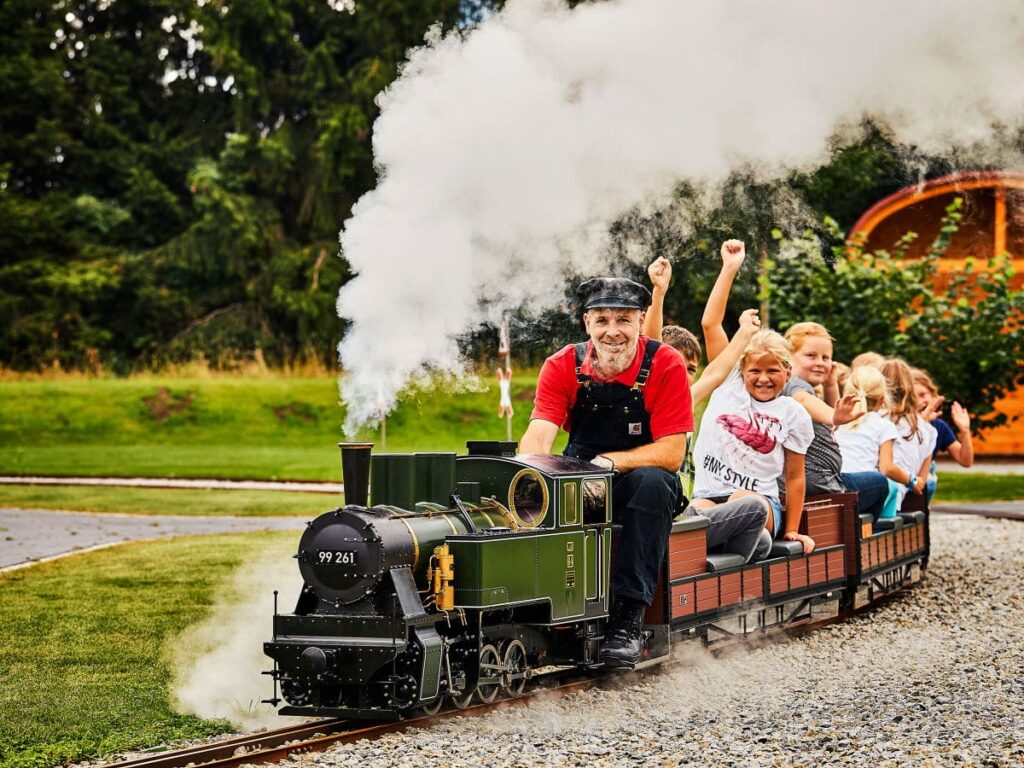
x=909 y=518
x=684 y=523
x=783 y=548
x=888 y=524
x=723 y=560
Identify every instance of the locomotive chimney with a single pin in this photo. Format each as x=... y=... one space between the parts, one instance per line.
x=355 y=472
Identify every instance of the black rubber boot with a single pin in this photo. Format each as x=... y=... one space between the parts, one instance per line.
x=624 y=638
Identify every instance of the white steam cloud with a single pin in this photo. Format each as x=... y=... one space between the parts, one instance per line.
x=507 y=153
x=218 y=662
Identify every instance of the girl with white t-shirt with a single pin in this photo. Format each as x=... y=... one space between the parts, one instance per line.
x=866 y=444
x=913 y=449
x=751 y=436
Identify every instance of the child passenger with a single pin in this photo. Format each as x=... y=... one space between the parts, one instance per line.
x=684 y=342
x=813 y=367
x=751 y=435
x=866 y=443
x=958 y=444
x=912 y=451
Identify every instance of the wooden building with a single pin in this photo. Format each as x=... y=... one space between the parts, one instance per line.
x=993 y=223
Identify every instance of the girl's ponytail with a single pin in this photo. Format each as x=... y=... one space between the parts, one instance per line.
x=868 y=384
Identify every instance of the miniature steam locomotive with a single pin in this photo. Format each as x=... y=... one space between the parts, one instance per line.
x=469 y=577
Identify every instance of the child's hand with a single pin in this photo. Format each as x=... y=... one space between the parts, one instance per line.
x=961 y=418
x=934 y=409
x=733 y=252
x=750 y=321
x=848 y=408
x=807 y=541
x=660 y=272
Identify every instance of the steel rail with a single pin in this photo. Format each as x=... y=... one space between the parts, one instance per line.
x=275 y=745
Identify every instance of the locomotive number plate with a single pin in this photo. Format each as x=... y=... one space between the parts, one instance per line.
x=336 y=557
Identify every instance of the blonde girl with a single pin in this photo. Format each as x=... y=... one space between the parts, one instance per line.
x=751 y=435
x=866 y=443
x=813 y=369
x=912 y=452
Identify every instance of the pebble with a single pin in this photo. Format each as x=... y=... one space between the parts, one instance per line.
x=934 y=677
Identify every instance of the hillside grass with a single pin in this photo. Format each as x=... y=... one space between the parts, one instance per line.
x=243 y=428
x=168 y=501
x=85 y=656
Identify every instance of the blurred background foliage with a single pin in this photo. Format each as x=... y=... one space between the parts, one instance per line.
x=174 y=174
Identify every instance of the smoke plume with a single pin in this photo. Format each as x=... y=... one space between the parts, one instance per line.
x=218 y=661
x=505 y=154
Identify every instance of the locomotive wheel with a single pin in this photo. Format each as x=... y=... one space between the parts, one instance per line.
x=433 y=707
x=513 y=678
x=490 y=674
x=463 y=700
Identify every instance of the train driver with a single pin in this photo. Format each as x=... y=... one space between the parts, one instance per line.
x=624 y=399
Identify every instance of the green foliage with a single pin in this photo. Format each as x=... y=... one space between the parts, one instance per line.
x=173 y=175
x=967 y=335
x=66 y=700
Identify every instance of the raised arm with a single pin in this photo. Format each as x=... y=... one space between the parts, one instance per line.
x=718 y=369
x=963 y=449
x=715 y=338
x=847 y=408
x=660 y=272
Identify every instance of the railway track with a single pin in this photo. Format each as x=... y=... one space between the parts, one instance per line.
x=275 y=745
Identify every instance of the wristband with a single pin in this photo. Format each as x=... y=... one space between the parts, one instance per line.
x=913 y=481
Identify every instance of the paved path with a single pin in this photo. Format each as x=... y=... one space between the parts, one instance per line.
x=28 y=535
x=1010 y=509
x=983 y=467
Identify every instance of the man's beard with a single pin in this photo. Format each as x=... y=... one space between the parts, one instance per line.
x=613 y=363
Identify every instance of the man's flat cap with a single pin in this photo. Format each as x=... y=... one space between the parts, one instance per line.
x=613 y=293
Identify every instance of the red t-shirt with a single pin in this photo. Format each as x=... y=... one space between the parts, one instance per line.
x=666 y=395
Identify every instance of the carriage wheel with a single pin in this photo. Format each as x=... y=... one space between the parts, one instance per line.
x=513 y=679
x=490 y=674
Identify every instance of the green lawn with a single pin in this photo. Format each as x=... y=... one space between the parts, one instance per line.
x=86 y=645
x=273 y=427
x=958 y=486
x=166 y=501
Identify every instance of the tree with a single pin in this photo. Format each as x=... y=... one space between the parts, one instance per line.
x=968 y=335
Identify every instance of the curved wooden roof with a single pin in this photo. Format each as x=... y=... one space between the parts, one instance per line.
x=957 y=182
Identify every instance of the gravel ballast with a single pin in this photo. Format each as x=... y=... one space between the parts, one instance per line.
x=934 y=677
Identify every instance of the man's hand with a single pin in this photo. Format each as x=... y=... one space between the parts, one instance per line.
x=961 y=418
x=750 y=321
x=660 y=272
x=806 y=541
x=848 y=408
x=919 y=485
x=733 y=253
